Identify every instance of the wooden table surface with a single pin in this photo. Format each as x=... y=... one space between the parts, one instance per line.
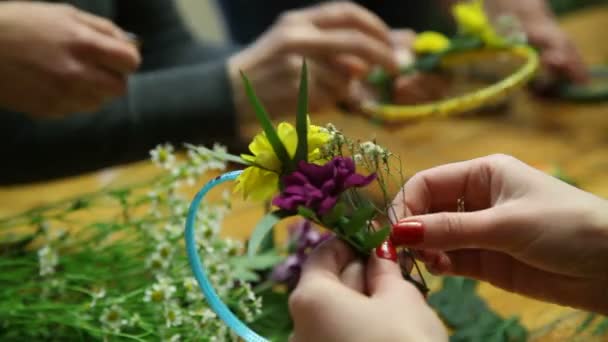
x=539 y=132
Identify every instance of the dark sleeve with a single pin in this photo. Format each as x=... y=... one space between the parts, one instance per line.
x=182 y=94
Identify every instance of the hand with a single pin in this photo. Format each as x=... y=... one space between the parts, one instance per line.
x=56 y=60
x=523 y=230
x=408 y=89
x=339 y=298
x=340 y=42
x=559 y=56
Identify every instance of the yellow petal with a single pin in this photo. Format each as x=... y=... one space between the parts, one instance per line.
x=430 y=42
x=288 y=136
x=257 y=184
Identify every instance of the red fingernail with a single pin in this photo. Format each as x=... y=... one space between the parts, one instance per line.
x=407 y=233
x=387 y=251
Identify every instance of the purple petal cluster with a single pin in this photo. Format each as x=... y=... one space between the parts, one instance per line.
x=318 y=187
x=303 y=238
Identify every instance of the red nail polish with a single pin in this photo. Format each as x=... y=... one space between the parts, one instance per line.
x=407 y=233
x=387 y=251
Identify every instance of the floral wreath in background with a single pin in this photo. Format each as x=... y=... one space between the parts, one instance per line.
x=476 y=40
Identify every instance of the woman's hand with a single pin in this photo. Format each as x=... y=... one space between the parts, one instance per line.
x=523 y=230
x=340 y=41
x=341 y=298
x=558 y=53
x=56 y=60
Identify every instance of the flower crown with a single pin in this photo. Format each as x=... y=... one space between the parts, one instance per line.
x=476 y=39
x=307 y=171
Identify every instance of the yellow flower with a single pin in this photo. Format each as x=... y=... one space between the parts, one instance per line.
x=261 y=180
x=471 y=19
x=430 y=42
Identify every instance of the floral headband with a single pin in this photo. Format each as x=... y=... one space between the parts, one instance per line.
x=476 y=40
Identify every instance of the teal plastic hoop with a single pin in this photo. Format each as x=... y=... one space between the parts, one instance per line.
x=200 y=273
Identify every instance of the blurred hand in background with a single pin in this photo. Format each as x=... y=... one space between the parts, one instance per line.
x=559 y=56
x=57 y=60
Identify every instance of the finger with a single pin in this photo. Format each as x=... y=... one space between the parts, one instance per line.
x=101 y=25
x=565 y=63
x=350 y=65
x=335 y=42
x=336 y=82
x=440 y=188
x=350 y=16
x=382 y=276
x=114 y=54
x=328 y=260
x=513 y=275
x=450 y=230
x=353 y=276
x=105 y=83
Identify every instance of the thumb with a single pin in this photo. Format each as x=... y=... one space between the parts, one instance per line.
x=449 y=231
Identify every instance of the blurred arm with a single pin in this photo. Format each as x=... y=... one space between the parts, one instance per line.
x=182 y=94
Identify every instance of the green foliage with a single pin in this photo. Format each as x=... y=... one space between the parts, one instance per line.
x=302 y=118
x=594 y=324
x=263 y=227
x=274 y=323
x=469 y=316
x=269 y=130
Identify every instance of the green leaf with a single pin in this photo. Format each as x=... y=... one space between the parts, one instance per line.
x=330 y=219
x=586 y=323
x=262 y=228
x=264 y=119
x=601 y=329
x=302 y=118
x=258 y=262
x=359 y=219
x=374 y=239
x=307 y=213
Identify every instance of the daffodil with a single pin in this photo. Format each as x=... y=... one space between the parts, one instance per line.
x=430 y=42
x=260 y=180
x=471 y=19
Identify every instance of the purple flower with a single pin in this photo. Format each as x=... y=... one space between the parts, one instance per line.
x=303 y=238
x=317 y=187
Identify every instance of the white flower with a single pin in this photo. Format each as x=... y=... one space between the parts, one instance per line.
x=373 y=151
x=112 y=318
x=160 y=292
x=156 y=262
x=358 y=158
x=164 y=250
x=175 y=338
x=174 y=230
x=173 y=315
x=193 y=293
x=134 y=320
x=163 y=156
x=97 y=294
x=48 y=260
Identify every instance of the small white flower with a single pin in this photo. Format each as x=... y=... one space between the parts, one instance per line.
x=156 y=262
x=358 y=158
x=174 y=230
x=193 y=293
x=163 y=156
x=97 y=294
x=48 y=260
x=160 y=292
x=134 y=320
x=112 y=318
x=173 y=315
x=164 y=250
x=175 y=338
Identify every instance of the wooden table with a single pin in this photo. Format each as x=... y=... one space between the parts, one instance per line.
x=575 y=137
